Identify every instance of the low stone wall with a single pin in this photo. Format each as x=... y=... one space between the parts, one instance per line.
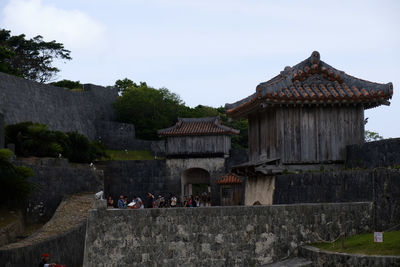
x=215 y=236
x=63 y=237
x=322 y=258
x=382 y=186
x=56 y=179
x=384 y=153
x=66 y=248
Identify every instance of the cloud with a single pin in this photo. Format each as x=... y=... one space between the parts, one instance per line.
x=76 y=30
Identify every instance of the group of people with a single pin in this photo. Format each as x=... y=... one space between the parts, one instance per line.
x=197 y=201
x=159 y=202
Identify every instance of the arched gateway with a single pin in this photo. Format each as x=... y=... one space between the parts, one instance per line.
x=196 y=153
x=195 y=181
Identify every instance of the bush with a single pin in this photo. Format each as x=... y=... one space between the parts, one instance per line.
x=34 y=139
x=14 y=186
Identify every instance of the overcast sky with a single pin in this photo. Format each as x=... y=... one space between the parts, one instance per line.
x=215 y=52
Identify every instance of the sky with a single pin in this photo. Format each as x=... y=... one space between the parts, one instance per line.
x=213 y=52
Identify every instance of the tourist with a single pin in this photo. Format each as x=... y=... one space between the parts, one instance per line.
x=190 y=201
x=173 y=201
x=138 y=203
x=196 y=201
x=185 y=202
x=125 y=202
x=45 y=259
x=121 y=202
x=150 y=201
x=110 y=203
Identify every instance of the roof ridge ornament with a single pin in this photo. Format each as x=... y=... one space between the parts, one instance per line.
x=315 y=58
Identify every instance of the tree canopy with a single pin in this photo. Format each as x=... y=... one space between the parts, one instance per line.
x=32 y=58
x=151 y=109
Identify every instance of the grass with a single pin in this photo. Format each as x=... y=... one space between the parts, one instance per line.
x=129 y=155
x=364 y=244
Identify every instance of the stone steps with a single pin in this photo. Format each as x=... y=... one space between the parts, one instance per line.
x=292 y=262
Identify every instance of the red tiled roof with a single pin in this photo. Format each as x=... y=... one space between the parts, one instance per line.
x=198 y=126
x=313 y=82
x=230 y=178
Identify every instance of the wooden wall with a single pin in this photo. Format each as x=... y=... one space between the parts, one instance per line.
x=186 y=145
x=299 y=135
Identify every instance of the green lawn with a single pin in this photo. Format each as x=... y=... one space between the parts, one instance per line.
x=364 y=244
x=129 y=155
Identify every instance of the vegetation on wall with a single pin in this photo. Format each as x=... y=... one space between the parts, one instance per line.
x=35 y=139
x=151 y=109
x=68 y=84
x=32 y=58
x=372 y=136
x=14 y=186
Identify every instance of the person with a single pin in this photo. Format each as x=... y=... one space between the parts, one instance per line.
x=173 y=201
x=139 y=203
x=197 y=201
x=149 y=201
x=125 y=202
x=121 y=202
x=185 y=202
x=110 y=203
x=190 y=202
x=45 y=259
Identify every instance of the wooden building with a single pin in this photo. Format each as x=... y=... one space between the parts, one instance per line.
x=198 y=137
x=197 y=149
x=306 y=116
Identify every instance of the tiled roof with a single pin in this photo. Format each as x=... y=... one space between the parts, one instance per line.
x=313 y=82
x=198 y=126
x=230 y=178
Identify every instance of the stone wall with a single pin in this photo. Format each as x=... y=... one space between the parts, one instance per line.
x=322 y=258
x=59 y=108
x=121 y=136
x=1 y=131
x=384 y=153
x=137 y=177
x=215 y=236
x=68 y=247
x=382 y=186
x=56 y=179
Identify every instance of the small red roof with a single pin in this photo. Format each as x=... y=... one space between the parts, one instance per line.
x=230 y=178
x=198 y=126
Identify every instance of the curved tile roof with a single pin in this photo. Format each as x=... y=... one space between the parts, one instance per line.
x=198 y=126
x=230 y=178
x=312 y=81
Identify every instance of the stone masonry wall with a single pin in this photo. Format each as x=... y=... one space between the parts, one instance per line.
x=137 y=177
x=215 y=236
x=382 y=186
x=59 y=108
x=384 y=153
x=56 y=179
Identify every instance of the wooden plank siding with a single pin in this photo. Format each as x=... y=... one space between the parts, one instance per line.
x=212 y=144
x=299 y=135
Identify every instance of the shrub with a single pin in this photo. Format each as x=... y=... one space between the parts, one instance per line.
x=34 y=139
x=14 y=186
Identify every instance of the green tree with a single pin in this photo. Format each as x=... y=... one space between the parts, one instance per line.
x=372 y=136
x=30 y=58
x=149 y=109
